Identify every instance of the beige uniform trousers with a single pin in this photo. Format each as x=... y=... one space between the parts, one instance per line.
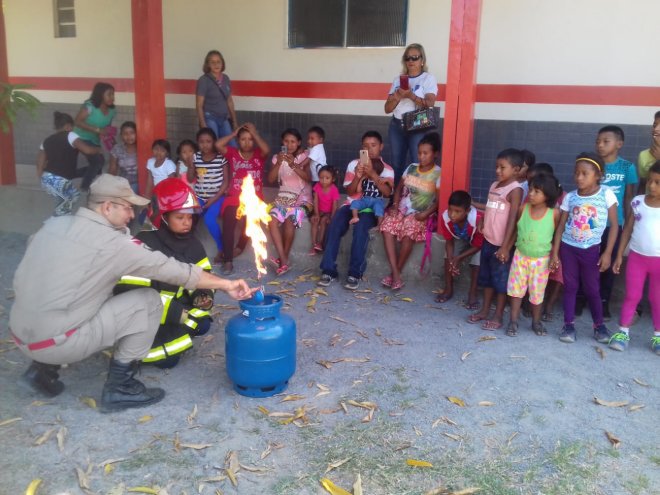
x=128 y=321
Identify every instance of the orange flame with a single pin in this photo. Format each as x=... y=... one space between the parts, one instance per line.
x=256 y=213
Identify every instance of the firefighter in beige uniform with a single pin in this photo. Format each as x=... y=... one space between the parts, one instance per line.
x=70 y=267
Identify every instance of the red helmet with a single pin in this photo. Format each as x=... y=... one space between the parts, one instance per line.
x=172 y=194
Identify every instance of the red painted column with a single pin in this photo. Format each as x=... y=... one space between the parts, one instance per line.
x=149 y=79
x=458 y=129
x=7 y=156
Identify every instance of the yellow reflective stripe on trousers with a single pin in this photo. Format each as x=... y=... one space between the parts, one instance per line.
x=173 y=347
x=131 y=280
x=166 y=298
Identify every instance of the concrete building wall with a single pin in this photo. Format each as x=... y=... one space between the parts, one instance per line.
x=544 y=47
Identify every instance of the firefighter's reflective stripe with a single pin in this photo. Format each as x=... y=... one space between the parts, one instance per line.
x=166 y=298
x=130 y=280
x=171 y=348
x=196 y=315
x=205 y=264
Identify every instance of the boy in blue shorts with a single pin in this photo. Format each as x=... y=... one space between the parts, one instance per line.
x=621 y=177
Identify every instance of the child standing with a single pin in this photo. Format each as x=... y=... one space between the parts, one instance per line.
x=57 y=161
x=326 y=202
x=248 y=158
x=123 y=155
x=537 y=220
x=621 y=177
x=317 y=159
x=462 y=241
x=584 y=213
x=186 y=153
x=498 y=227
x=641 y=231
x=529 y=159
x=160 y=166
x=649 y=156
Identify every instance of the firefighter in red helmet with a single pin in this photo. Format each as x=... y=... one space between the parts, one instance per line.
x=174 y=212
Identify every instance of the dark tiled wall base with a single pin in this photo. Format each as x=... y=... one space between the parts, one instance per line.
x=555 y=142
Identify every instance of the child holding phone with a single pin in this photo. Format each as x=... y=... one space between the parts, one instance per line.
x=376 y=205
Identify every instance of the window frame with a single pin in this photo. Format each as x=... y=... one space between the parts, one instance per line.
x=58 y=24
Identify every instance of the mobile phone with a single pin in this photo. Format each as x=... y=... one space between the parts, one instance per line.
x=364 y=157
x=284 y=149
x=403 y=82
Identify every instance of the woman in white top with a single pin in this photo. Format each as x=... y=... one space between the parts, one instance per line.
x=421 y=91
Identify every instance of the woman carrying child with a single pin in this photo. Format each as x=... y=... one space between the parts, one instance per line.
x=415 y=200
x=57 y=161
x=641 y=231
x=584 y=214
x=536 y=224
x=326 y=202
x=294 y=199
x=247 y=159
x=210 y=175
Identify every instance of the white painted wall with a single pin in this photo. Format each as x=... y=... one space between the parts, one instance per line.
x=564 y=42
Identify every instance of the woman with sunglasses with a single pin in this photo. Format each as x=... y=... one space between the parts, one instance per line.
x=414 y=88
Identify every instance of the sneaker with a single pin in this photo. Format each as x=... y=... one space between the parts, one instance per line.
x=602 y=334
x=655 y=345
x=326 y=280
x=568 y=334
x=607 y=316
x=619 y=341
x=352 y=283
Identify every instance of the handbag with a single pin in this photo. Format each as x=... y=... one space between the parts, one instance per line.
x=421 y=119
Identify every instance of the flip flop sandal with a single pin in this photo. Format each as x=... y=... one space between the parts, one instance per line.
x=512 y=329
x=275 y=262
x=548 y=317
x=443 y=297
x=475 y=318
x=471 y=306
x=387 y=281
x=539 y=329
x=282 y=270
x=491 y=325
x=318 y=248
x=398 y=285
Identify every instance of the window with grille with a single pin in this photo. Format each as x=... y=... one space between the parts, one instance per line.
x=347 y=23
x=65 y=19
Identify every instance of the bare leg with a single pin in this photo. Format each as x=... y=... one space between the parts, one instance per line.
x=448 y=291
x=474 y=274
x=289 y=236
x=499 y=308
x=355 y=218
x=516 y=303
x=489 y=293
x=276 y=235
x=315 y=229
x=407 y=245
x=552 y=294
x=390 y=250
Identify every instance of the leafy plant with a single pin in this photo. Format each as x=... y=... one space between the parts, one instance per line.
x=13 y=99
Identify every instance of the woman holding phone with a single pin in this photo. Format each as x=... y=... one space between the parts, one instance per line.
x=414 y=88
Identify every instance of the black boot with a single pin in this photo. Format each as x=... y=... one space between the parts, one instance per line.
x=122 y=391
x=43 y=379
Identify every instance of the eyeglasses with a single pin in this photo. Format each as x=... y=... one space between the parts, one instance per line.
x=412 y=58
x=126 y=208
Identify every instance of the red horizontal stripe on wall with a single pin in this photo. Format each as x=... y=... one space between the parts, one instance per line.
x=72 y=83
x=486 y=93
x=569 y=95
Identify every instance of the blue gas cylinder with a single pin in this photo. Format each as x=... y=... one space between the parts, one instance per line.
x=260 y=347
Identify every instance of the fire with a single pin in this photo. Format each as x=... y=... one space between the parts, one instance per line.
x=256 y=213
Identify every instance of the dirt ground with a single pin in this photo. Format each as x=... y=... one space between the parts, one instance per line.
x=375 y=374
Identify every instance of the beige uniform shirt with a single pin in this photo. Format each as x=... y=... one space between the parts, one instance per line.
x=70 y=268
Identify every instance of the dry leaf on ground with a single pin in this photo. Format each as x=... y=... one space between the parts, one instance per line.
x=456 y=400
x=44 y=437
x=417 y=463
x=606 y=403
x=616 y=442
x=636 y=407
x=336 y=464
x=640 y=382
x=145 y=419
x=33 y=486
x=61 y=436
x=357 y=486
x=195 y=446
x=485 y=338
x=465 y=355
x=192 y=416
x=88 y=401
x=486 y=403
x=292 y=397
x=333 y=489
